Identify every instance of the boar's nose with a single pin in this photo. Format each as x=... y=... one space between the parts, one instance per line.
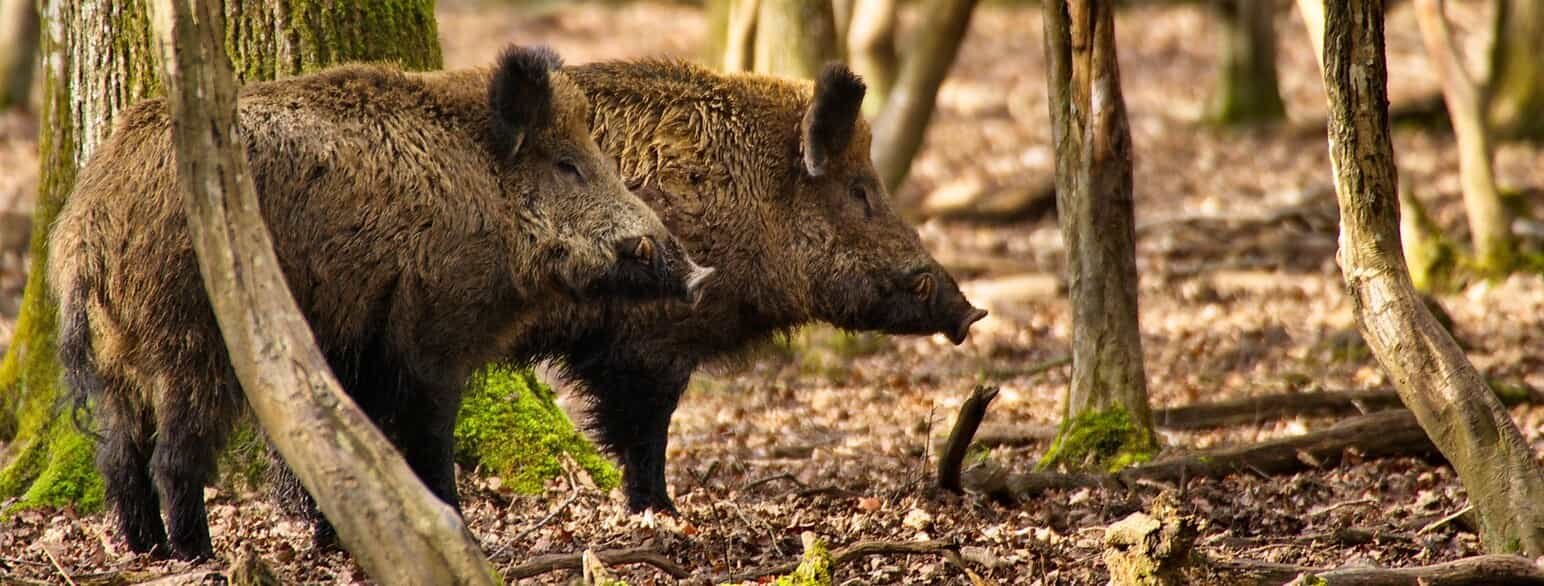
x=962 y=331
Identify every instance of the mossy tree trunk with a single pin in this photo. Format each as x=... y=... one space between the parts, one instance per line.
x=1490 y=222
x=1434 y=379
x=97 y=61
x=1107 y=422
x=794 y=38
x=18 y=51
x=1246 y=90
x=1516 y=84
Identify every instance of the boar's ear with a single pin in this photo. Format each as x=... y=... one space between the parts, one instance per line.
x=520 y=95
x=827 y=126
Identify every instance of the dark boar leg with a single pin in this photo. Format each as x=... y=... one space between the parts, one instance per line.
x=631 y=407
x=124 y=459
x=189 y=438
x=427 y=426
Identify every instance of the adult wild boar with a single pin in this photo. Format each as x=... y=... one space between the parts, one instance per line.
x=422 y=223
x=768 y=180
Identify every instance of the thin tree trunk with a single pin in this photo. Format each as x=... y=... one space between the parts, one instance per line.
x=1447 y=395
x=794 y=38
x=871 y=50
x=1516 y=84
x=841 y=14
x=899 y=131
x=97 y=61
x=1246 y=90
x=18 y=51
x=740 y=39
x=359 y=480
x=1094 y=195
x=1312 y=12
x=1490 y=225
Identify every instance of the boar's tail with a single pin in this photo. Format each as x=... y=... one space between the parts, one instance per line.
x=82 y=380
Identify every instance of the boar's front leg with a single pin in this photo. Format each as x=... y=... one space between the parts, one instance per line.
x=632 y=401
x=426 y=426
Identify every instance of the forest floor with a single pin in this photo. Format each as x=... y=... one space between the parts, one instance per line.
x=1240 y=296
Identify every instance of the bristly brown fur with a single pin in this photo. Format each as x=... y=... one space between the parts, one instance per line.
x=417 y=247
x=720 y=158
x=520 y=94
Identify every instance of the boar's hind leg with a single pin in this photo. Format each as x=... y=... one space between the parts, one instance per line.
x=187 y=443
x=124 y=459
x=631 y=408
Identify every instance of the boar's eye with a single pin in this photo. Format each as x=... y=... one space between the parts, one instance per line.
x=860 y=193
x=568 y=168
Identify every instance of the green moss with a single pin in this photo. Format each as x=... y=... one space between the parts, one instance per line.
x=511 y=425
x=244 y=464
x=1434 y=264
x=1100 y=439
x=828 y=352
x=813 y=570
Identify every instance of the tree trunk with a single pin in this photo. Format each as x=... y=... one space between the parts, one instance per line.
x=1312 y=12
x=97 y=60
x=1490 y=225
x=1516 y=85
x=794 y=38
x=900 y=128
x=1246 y=91
x=18 y=51
x=740 y=38
x=871 y=50
x=1447 y=395
x=1107 y=398
x=358 y=479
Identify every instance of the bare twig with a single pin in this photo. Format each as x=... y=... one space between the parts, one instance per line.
x=58 y=568
x=965 y=425
x=773 y=478
x=1435 y=525
x=855 y=551
x=575 y=561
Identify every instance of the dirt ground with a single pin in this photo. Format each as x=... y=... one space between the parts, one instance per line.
x=1240 y=296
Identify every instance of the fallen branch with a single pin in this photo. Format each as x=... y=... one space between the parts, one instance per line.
x=958 y=443
x=1269 y=407
x=575 y=561
x=853 y=552
x=1377 y=435
x=1479 y=570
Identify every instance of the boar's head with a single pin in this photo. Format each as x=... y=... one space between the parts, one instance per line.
x=591 y=235
x=867 y=268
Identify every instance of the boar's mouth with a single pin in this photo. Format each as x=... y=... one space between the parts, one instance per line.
x=962 y=330
x=649 y=269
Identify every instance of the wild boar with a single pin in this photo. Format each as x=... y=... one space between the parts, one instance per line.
x=769 y=180
x=422 y=222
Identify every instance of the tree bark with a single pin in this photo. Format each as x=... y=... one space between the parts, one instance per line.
x=97 y=60
x=794 y=38
x=1516 y=84
x=1094 y=197
x=1435 y=380
x=1490 y=225
x=740 y=39
x=1246 y=90
x=358 y=479
x=18 y=51
x=871 y=50
x=899 y=131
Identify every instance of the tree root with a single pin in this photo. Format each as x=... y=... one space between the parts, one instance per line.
x=575 y=561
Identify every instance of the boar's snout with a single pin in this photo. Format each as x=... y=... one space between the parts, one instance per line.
x=954 y=313
x=647 y=267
